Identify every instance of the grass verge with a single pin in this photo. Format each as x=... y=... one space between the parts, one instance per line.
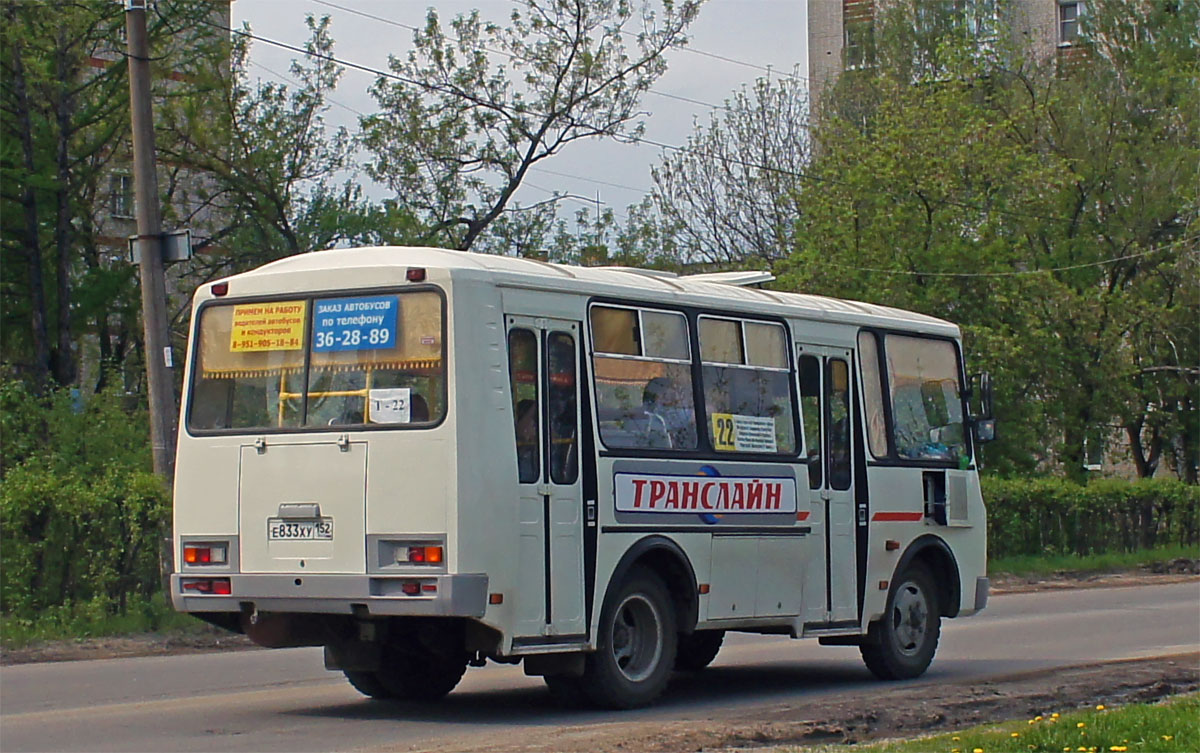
x=1168 y=727
x=1050 y=564
x=97 y=619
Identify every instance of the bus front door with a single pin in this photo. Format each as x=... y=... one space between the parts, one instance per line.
x=831 y=589
x=543 y=364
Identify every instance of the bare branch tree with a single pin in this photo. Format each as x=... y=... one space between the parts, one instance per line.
x=473 y=107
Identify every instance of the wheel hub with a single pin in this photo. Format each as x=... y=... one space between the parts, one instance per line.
x=910 y=618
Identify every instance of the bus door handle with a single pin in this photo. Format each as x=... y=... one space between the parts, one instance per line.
x=543 y=490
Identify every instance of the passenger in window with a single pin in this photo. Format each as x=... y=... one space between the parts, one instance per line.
x=527 y=441
x=670 y=419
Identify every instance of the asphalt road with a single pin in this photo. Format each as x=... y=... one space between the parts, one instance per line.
x=284 y=700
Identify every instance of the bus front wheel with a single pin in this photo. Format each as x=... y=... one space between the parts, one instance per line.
x=637 y=643
x=901 y=644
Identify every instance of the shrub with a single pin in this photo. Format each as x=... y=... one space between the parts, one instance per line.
x=1055 y=516
x=81 y=514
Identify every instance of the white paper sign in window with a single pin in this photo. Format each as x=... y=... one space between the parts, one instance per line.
x=391 y=406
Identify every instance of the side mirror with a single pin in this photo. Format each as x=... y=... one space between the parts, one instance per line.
x=985 y=430
x=979 y=396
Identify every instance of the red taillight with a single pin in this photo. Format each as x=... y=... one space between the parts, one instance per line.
x=220 y=288
x=415 y=274
x=214 y=586
x=204 y=554
x=411 y=587
x=424 y=555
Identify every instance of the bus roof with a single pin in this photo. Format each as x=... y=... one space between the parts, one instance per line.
x=718 y=290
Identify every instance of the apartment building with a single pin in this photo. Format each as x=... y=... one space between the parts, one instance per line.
x=841 y=32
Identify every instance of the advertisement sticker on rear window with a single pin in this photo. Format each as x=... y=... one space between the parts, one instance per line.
x=355 y=323
x=267 y=326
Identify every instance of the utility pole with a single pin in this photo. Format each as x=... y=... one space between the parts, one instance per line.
x=159 y=361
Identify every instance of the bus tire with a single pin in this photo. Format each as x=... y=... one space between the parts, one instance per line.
x=368 y=683
x=901 y=644
x=566 y=691
x=696 y=651
x=636 y=645
x=422 y=667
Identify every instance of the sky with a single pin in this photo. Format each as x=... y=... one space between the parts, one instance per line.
x=756 y=33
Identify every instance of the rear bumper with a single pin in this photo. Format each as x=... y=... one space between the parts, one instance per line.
x=459 y=595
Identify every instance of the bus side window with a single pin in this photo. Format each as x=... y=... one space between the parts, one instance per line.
x=523 y=375
x=563 y=416
x=837 y=390
x=810 y=407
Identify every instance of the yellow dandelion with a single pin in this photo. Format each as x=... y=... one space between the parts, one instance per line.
x=1081 y=725
x=1015 y=734
x=1033 y=721
x=1054 y=715
x=956 y=750
x=956 y=738
x=1168 y=738
x=1100 y=707
x=1118 y=748
x=1038 y=718
x=977 y=750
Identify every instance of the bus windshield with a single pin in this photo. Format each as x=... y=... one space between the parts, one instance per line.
x=318 y=362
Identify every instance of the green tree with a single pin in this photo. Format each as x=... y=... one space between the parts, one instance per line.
x=472 y=107
x=65 y=128
x=1050 y=211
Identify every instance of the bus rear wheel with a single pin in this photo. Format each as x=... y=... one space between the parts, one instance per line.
x=423 y=665
x=696 y=651
x=368 y=683
x=637 y=643
x=901 y=644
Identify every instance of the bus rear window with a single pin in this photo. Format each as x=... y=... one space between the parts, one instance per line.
x=336 y=361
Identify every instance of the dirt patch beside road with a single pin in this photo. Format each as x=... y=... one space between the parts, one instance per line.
x=897 y=710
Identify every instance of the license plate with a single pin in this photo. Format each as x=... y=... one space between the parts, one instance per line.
x=282 y=529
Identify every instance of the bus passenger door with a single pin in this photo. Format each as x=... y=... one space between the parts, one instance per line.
x=831 y=585
x=543 y=365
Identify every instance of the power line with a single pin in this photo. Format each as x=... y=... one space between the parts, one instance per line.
x=1016 y=273
x=597 y=181
x=509 y=55
x=285 y=77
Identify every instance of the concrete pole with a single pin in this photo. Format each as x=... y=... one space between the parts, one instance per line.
x=159 y=361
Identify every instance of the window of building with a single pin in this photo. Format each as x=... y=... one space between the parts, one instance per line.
x=926 y=398
x=859 y=44
x=1068 y=22
x=643 y=368
x=120 y=188
x=747 y=386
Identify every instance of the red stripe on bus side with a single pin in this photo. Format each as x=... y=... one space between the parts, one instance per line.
x=889 y=517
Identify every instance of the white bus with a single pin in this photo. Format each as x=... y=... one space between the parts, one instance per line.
x=423 y=459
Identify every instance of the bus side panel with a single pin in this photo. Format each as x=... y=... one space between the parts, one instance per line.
x=486 y=519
